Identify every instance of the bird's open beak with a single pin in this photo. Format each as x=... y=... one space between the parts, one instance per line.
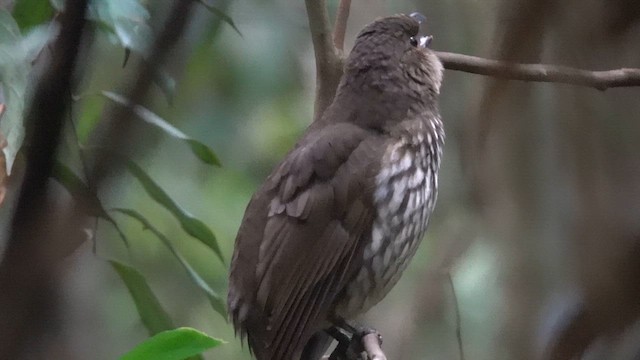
x=425 y=41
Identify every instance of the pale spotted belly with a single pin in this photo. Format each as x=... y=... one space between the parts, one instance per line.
x=405 y=197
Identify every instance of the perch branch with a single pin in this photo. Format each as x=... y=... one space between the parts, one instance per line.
x=368 y=346
x=328 y=61
x=340 y=27
x=601 y=80
x=371 y=345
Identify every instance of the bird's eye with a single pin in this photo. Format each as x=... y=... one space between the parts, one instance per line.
x=413 y=41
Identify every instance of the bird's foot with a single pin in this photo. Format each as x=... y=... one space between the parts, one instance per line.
x=356 y=341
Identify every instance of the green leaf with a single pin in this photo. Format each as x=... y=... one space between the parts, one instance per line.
x=174 y=344
x=133 y=35
x=79 y=190
x=126 y=23
x=202 y=151
x=190 y=224
x=153 y=316
x=166 y=83
x=29 y=13
x=16 y=54
x=224 y=17
x=82 y=193
x=125 y=20
x=88 y=117
x=214 y=299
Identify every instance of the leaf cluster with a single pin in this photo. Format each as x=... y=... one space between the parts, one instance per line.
x=24 y=35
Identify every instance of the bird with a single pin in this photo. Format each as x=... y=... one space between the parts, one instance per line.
x=332 y=228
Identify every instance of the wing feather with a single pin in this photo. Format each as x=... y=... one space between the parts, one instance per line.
x=315 y=213
x=296 y=320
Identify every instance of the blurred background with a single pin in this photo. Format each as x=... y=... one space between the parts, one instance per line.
x=538 y=217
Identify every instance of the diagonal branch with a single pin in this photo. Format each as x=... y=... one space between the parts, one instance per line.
x=328 y=61
x=371 y=344
x=601 y=80
x=340 y=27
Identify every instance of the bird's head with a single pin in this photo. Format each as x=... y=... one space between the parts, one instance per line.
x=389 y=53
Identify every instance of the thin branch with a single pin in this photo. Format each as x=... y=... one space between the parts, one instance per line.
x=320 y=31
x=457 y=313
x=328 y=61
x=601 y=80
x=340 y=27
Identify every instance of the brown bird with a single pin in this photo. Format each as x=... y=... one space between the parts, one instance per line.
x=333 y=227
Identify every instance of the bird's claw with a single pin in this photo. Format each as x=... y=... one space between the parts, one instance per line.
x=350 y=339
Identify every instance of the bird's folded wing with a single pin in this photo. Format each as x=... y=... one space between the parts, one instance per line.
x=319 y=213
